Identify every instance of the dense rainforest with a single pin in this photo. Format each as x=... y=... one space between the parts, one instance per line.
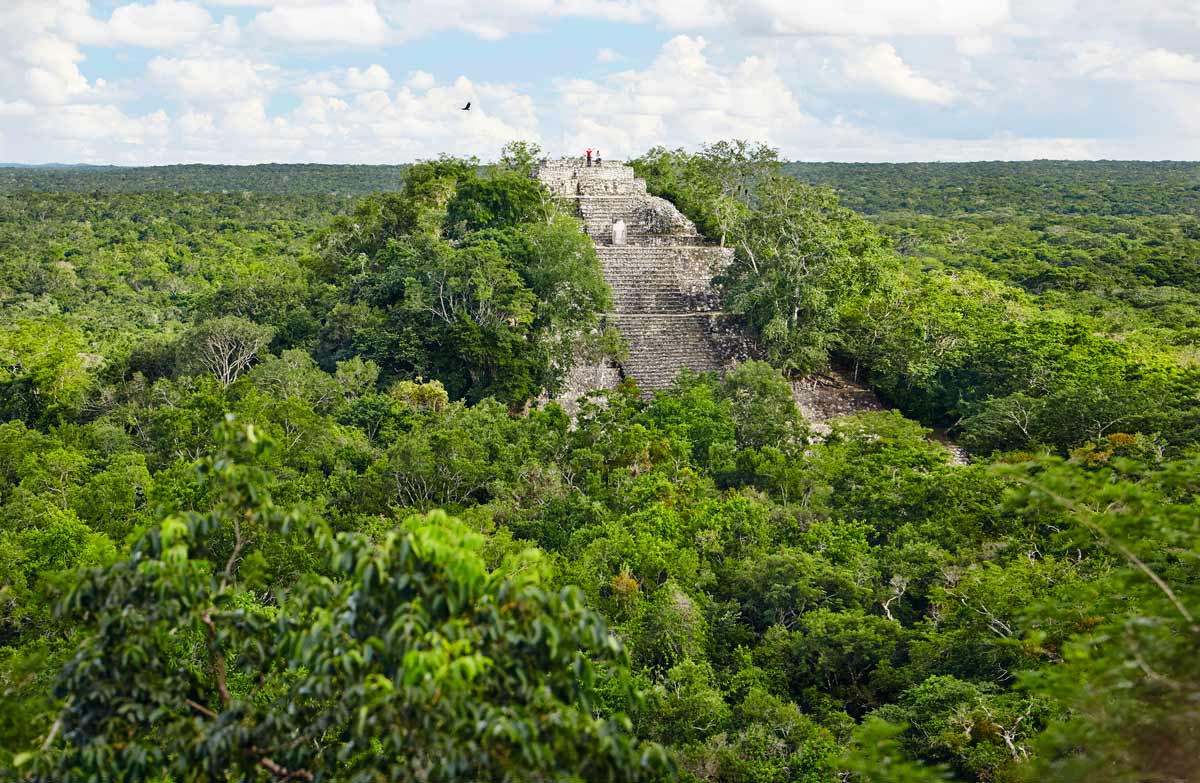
x=294 y=179
x=284 y=496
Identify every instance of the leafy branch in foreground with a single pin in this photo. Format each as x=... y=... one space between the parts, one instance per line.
x=403 y=658
x=1131 y=682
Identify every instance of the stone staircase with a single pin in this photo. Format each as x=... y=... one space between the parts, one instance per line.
x=660 y=279
x=664 y=303
x=661 y=344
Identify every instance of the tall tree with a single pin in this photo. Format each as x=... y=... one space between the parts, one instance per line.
x=225 y=347
x=801 y=258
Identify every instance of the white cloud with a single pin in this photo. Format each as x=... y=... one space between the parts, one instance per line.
x=884 y=147
x=874 y=17
x=1007 y=66
x=1161 y=65
x=423 y=122
x=318 y=85
x=1104 y=60
x=17 y=109
x=1090 y=57
x=680 y=99
x=39 y=64
x=221 y=79
x=693 y=14
x=420 y=80
x=87 y=132
x=416 y=122
x=161 y=24
x=974 y=45
x=259 y=3
x=880 y=66
x=972 y=21
x=93 y=123
x=492 y=21
x=316 y=112
x=51 y=70
x=375 y=77
x=333 y=22
x=230 y=32
x=196 y=125
x=498 y=19
x=374 y=127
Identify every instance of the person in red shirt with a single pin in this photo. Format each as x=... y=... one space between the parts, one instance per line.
x=589 y=156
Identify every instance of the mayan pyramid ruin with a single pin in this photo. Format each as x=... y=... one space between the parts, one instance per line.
x=660 y=270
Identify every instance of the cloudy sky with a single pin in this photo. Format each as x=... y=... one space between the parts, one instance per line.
x=380 y=81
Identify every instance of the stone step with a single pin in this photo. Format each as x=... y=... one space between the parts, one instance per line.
x=636 y=300
x=603 y=188
x=641 y=214
x=661 y=345
x=612 y=207
x=634 y=239
x=695 y=264
x=628 y=253
x=577 y=167
x=662 y=279
x=567 y=177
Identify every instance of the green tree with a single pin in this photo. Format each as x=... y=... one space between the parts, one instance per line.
x=716 y=187
x=876 y=756
x=978 y=730
x=1130 y=677
x=406 y=658
x=801 y=258
x=762 y=407
x=520 y=156
x=502 y=200
x=43 y=371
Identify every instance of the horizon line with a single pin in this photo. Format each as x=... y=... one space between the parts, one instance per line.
x=914 y=161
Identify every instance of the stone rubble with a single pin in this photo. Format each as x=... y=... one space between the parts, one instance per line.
x=823 y=397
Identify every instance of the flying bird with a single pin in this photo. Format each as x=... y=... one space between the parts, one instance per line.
x=467 y=107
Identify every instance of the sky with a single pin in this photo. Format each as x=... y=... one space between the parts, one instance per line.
x=382 y=81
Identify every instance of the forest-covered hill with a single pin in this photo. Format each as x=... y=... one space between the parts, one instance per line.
x=281 y=499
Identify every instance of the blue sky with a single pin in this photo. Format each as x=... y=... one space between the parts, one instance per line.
x=380 y=81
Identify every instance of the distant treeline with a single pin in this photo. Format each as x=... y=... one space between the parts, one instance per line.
x=1024 y=187
x=944 y=189
x=276 y=178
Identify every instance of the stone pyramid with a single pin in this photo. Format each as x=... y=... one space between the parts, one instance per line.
x=660 y=270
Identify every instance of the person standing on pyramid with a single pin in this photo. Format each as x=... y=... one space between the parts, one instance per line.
x=589 y=156
x=597 y=157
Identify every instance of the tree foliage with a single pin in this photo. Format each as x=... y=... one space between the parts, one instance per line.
x=404 y=657
x=363 y=549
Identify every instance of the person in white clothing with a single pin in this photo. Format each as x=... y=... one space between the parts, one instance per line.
x=618 y=232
